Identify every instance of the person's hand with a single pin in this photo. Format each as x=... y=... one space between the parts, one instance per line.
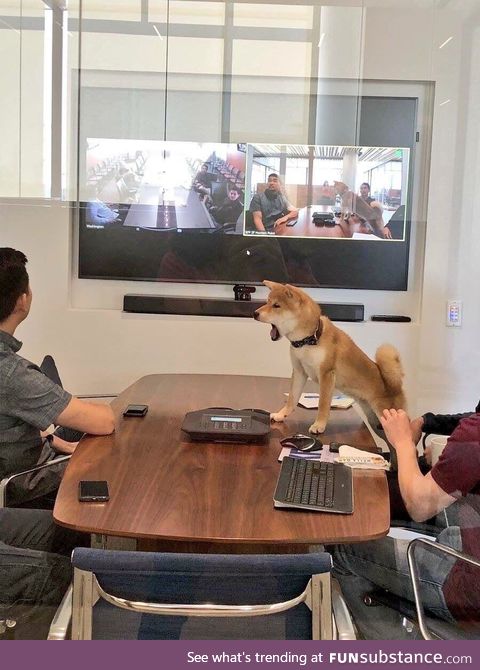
x=416 y=426
x=62 y=446
x=387 y=233
x=280 y=221
x=396 y=425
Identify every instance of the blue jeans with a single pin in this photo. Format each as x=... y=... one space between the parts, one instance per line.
x=362 y=567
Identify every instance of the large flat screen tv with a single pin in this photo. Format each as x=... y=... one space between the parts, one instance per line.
x=320 y=216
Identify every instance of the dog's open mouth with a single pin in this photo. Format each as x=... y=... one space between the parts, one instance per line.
x=274 y=334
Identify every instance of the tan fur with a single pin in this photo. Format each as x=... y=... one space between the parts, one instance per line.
x=334 y=362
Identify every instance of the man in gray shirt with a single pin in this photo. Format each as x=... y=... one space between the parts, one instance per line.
x=29 y=401
x=271 y=208
x=34 y=553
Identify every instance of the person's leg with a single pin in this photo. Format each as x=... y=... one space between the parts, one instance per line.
x=383 y=563
x=35 y=529
x=31 y=573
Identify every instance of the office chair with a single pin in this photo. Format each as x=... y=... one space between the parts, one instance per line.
x=10 y=480
x=432 y=628
x=137 y=595
x=416 y=620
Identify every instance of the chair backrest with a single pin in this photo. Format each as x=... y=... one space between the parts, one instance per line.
x=125 y=595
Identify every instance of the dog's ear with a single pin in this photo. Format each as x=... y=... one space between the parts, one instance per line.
x=271 y=284
x=293 y=291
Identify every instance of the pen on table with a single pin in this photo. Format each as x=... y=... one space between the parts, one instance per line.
x=310 y=395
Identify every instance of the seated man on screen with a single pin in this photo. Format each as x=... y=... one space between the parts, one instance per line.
x=230 y=209
x=365 y=193
x=29 y=401
x=202 y=183
x=365 y=217
x=450 y=589
x=271 y=208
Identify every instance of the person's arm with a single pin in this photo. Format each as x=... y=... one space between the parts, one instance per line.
x=62 y=446
x=422 y=496
x=57 y=443
x=88 y=417
x=442 y=424
x=292 y=214
x=258 y=221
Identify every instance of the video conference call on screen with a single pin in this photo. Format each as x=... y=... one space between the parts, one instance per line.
x=333 y=216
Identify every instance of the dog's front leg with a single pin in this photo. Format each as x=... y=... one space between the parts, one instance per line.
x=327 y=385
x=299 y=378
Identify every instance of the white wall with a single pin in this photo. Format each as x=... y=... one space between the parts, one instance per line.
x=102 y=350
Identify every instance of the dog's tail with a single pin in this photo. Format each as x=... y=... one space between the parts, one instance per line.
x=390 y=366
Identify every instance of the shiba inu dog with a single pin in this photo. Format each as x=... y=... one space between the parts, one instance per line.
x=324 y=353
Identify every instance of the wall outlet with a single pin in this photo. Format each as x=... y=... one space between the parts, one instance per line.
x=454 y=313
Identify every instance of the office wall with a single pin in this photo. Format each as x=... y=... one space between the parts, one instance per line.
x=104 y=350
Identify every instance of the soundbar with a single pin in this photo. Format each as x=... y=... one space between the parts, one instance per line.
x=156 y=304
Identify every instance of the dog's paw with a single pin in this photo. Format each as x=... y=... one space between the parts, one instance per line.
x=317 y=427
x=278 y=417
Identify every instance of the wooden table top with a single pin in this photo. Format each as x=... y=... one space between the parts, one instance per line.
x=162 y=486
x=305 y=227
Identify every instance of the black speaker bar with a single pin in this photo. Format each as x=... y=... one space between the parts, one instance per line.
x=156 y=304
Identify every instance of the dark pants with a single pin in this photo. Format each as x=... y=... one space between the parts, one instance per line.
x=35 y=569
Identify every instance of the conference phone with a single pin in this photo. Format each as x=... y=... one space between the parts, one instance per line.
x=224 y=424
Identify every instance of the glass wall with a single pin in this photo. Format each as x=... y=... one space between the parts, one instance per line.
x=164 y=70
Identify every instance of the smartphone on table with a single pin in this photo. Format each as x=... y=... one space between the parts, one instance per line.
x=93 y=491
x=136 y=410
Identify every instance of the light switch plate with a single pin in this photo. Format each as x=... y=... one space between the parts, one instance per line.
x=454 y=313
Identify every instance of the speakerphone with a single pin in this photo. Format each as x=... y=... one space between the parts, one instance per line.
x=223 y=424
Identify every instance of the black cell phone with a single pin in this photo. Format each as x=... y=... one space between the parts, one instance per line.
x=291 y=223
x=136 y=410
x=93 y=491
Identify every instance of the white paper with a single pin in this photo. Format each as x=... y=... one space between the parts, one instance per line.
x=359 y=459
x=310 y=401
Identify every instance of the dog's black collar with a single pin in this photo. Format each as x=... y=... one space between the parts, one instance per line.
x=311 y=339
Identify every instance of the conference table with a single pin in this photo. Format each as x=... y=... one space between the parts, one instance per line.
x=174 y=494
x=179 y=208
x=304 y=226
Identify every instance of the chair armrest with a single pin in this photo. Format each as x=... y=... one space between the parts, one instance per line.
x=344 y=628
x=443 y=549
x=62 y=619
x=6 y=480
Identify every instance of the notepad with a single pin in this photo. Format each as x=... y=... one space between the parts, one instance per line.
x=364 y=460
x=339 y=401
x=354 y=458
